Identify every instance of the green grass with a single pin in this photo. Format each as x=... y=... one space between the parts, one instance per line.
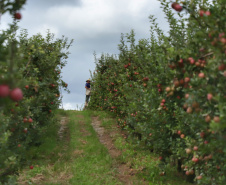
x=94 y=164
x=80 y=159
x=141 y=159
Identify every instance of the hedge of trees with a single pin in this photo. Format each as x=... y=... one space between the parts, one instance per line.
x=169 y=91
x=30 y=90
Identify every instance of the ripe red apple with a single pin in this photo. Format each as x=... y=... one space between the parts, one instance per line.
x=186 y=96
x=222 y=67
x=191 y=172
x=202 y=134
x=199 y=177
x=224 y=74
x=30 y=120
x=216 y=119
x=25 y=120
x=182 y=136
x=25 y=130
x=207 y=13
x=16 y=94
x=50 y=111
x=181 y=81
x=201 y=75
x=195 y=148
x=19 y=145
x=176 y=83
x=189 y=110
x=195 y=159
x=4 y=91
x=209 y=96
x=177 y=7
x=206 y=142
x=179 y=132
x=160 y=158
x=27 y=86
x=207 y=118
x=191 y=60
x=17 y=15
x=180 y=61
x=31 y=167
x=186 y=79
x=201 y=13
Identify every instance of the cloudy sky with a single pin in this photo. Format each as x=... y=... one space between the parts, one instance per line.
x=95 y=26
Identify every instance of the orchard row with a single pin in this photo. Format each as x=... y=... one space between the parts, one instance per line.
x=169 y=91
x=30 y=91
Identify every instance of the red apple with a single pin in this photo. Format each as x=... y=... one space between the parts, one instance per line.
x=207 y=118
x=4 y=91
x=189 y=110
x=186 y=79
x=207 y=13
x=25 y=120
x=222 y=67
x=177 y=7
x=195 y=159
x=216 y=119
x=30 y=120
x=202 y=134
x=31 y=167
x=201 y=75
x=191 y=60
x=16 y=94
x=195 y=148
x=201 y=13
x=209 y=96
x=17 y=15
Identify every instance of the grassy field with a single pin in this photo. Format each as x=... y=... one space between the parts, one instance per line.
x=72 y=153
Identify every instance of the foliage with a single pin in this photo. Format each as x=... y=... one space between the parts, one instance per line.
x=30 y=91
x=169 y=91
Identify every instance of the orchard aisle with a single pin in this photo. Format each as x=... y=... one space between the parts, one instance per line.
x=88 y=148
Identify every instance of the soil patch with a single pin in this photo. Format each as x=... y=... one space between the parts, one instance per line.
x=125 y=173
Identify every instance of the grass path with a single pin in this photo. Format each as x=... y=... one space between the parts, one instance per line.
x=87 y=148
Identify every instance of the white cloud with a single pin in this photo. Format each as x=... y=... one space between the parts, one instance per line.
x=72 y=106
x=95 y=25
x=101 y=16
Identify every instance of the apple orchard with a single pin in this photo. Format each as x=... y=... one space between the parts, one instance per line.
x=169 y=91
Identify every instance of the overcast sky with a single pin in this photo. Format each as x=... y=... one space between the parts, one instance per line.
x=95 y=26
